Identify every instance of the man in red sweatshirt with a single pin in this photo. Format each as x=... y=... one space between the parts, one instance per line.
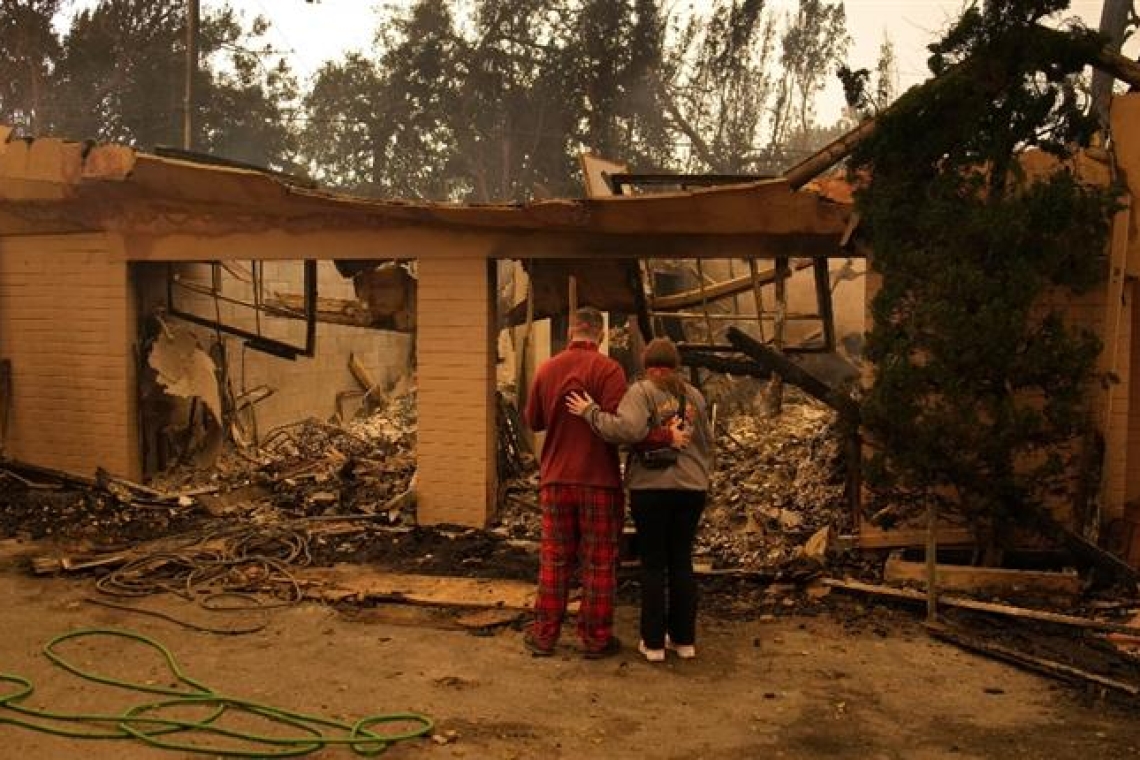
x=580 y=492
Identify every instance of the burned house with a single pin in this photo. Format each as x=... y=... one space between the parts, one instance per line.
x=95 y=241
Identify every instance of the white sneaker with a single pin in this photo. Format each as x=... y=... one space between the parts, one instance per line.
x=684 y=651
x=653 y=655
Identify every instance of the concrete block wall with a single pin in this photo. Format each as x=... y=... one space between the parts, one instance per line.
x=67 y=325
x=304 y=387
x=455 y=355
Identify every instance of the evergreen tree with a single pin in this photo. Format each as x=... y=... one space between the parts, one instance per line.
x=980 y=396
x=117 y=75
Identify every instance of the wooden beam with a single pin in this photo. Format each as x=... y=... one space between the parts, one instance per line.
x=340 y=311
x=772 y=361
x=984 y=579
x=822 y=273
x=898 y=538
x=1005 y=610
x=360 y=583
x=726 y=289
x=331 y=242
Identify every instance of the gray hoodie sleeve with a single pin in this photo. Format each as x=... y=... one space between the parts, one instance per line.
x=630 y=424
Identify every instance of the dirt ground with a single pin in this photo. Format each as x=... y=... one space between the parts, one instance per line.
x=832 y=684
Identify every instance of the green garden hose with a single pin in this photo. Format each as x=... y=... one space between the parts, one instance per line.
x=145 y=722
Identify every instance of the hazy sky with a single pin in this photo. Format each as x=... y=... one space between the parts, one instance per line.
x=314 y=32
x=323 y=29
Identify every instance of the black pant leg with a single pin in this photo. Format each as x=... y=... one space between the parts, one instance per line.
x=650 y=516
x=684 y=514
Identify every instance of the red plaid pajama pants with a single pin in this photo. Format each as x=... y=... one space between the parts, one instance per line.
x=581 y=527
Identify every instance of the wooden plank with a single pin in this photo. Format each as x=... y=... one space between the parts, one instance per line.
x=360 y=582
x=595 y=172
x=899 y=538
x=1022 y=613
x=984 y=579
x=724 y=289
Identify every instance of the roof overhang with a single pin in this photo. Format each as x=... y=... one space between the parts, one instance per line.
x=171 y=209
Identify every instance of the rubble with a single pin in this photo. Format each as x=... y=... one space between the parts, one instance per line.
x=777 y=482
x=34 y=507
x=364 y=466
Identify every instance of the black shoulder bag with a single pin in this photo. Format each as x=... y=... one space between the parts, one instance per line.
x=662 y=458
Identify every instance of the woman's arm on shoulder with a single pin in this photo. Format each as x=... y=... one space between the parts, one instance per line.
x=629 y=424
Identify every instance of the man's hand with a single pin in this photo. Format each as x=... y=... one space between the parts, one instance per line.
x=681 y=436
x=577 y=403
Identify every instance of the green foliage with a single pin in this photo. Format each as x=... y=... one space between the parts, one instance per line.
x=486 y=100
x=869 y=97
x=815 y=41
x=717 y=83
x=28 y=50
x=246 y=93
x=519 y=87
x=980 y=395
x=117 y=74
x=496 y=112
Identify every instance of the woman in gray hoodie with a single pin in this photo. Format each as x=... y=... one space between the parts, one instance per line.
x=666 y=491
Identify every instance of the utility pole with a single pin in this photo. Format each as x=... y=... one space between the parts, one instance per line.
x=192 y=14
x=1113 y=21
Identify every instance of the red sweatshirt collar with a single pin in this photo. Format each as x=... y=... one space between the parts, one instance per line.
x=585 y=345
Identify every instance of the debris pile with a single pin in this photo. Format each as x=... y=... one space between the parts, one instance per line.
x=778 y=480
x=311 y=468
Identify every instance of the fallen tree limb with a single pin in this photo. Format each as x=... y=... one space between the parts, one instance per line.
x=1022 y=613
x=1030 y=662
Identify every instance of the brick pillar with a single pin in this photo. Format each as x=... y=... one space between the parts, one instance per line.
x=455 y=366
x=67 y=326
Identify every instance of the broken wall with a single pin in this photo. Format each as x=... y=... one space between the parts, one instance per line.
x=304 y=387
x=67 y=327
